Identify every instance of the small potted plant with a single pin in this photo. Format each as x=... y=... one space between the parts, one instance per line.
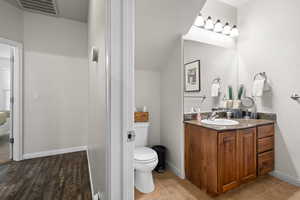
x=230 y=97
x=237 y=103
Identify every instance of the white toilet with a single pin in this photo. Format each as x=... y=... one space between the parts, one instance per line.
x=145 y=160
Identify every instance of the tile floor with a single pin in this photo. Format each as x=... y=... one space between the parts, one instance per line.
x=170 y=187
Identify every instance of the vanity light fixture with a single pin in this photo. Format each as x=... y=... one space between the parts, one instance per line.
x=218 y=26
x=234 y=31
x=226 y=29
x=200 y=22
x=209 y=25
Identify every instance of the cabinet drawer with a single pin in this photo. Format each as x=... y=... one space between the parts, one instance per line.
x=265 y=162
x=265 y=144
x=265 y=131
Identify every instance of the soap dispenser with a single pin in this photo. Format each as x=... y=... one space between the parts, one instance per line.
x=223 y=103
x=198 y=114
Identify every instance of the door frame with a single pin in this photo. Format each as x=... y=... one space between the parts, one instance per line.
x=17 y=120
x=128 y=97
x=120 y=98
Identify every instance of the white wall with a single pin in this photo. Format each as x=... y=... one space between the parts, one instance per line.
x=97 y=96
x=55 y=83
x=214 y=62
x=147 y=93
x=158 y=24
x=219 y=10
x=11 y=22
x=269 y=42
x=172 y=109
x=55 y=77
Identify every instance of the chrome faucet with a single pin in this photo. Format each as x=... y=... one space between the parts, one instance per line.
x=213 y=115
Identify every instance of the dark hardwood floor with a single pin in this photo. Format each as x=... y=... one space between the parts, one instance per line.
x=60 y=177
x=4 y=149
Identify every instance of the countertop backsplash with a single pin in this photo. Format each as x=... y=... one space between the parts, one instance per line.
x=222 y=114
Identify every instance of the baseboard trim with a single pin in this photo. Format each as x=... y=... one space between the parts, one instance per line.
x=174 y=169
x=287 y=178
x=53 y=152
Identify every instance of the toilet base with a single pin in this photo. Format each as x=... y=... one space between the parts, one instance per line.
x=143 y=181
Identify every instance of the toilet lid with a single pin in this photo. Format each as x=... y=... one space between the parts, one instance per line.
x=144 y=154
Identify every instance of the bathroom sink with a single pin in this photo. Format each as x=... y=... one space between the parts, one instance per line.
x=220 y=122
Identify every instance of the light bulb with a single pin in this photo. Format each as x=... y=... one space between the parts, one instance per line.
x=218 y=26
x=226 y=29
x=200 y=22
x=234 y=31
x=209 y=25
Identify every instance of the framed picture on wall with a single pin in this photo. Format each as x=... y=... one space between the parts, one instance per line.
x=192 y=76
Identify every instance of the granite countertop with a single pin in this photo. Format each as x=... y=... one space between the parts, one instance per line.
x=243 y=124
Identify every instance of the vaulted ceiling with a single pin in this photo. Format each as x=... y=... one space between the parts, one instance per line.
x=235 y=3
x=158 y=24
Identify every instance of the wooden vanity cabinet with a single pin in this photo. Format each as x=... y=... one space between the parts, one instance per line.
x=228 y=163
x=220 y=161
x=201 y=157
x=236 y=158
x=247 y=154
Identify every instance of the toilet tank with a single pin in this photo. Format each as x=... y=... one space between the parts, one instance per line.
x=141 y=132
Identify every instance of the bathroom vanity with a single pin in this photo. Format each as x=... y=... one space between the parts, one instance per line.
x=220 y=158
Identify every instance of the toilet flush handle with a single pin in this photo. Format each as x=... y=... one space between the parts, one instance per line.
x=131 y=136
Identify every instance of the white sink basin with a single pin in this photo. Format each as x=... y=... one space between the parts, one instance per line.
x=220 y=122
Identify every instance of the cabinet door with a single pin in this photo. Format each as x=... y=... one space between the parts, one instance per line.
x=187 y=151
x=265 y=163
x=228 y=161
x=247 y=154
x=193 y=156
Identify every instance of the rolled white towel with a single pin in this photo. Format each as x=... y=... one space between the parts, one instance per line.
x=258 y=87
x=215 y=89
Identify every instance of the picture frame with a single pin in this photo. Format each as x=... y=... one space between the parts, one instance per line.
x=192 y=76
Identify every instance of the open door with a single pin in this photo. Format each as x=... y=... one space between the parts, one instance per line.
x=12 y=99
x=6 y=81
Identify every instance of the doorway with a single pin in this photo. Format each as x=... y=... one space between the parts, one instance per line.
x=10 y=101
x=6 y=108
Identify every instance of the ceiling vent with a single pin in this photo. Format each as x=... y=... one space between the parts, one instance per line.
x=47 y=7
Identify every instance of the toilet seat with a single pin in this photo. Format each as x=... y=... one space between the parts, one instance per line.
x=144 y=155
